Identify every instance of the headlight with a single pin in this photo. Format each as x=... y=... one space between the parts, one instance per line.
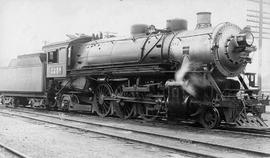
x=249 y=38
x=245 y=39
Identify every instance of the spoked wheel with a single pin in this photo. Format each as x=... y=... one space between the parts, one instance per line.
x=1 y=99
x=68 y=102
x=210 y=118
x=9 y=101
x=126 y=109
x=51 y=104
x=148 y=112
x=103 y=91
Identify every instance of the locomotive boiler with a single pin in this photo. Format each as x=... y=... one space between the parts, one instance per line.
x=171 y=73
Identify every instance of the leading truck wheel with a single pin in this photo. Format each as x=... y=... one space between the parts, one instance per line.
x=210 y=118
x=103 y=92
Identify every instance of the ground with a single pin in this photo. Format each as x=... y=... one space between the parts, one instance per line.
x=266 y=118
x=42 y=140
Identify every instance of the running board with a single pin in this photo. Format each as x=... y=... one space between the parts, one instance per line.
x=244 y=121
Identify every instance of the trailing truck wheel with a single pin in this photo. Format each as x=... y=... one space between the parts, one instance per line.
x=103 y=91
x=65 y=102
x=210 y=118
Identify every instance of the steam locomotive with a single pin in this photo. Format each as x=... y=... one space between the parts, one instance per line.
x=152 y=74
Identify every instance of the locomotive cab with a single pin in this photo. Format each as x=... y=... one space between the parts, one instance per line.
x=56 y=59
x=61 y=56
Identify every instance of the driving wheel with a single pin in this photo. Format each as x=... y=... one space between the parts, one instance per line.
x=126 y=109
x=103 y=92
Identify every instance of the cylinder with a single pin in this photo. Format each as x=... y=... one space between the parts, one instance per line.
x=203 y=20
x=176 y=24
x=138 y=29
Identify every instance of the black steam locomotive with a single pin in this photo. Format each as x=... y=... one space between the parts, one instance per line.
x=172 y=73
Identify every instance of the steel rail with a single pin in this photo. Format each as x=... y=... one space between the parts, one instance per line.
x=264 y=133
x=248 y=131
x=197 y=154
x=13 y=151
x=205 y=144
x=239 y=131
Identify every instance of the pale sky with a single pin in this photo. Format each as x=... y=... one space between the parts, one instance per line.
x=26 y=24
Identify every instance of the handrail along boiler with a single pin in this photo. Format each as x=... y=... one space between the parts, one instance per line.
x=173 y=73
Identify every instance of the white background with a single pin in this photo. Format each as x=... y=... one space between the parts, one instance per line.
x=25 y=25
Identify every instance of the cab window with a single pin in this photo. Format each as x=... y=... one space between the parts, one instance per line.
x=53 y=56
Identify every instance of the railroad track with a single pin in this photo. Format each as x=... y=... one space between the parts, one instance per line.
x=183 y=145
x=10 y=152
x=224 y=129
x=188 y=126
x=247 y=131
x=264 y=133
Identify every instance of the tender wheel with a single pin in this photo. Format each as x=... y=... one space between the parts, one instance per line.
x=210 y=118
x=148 y=112
x=1 y=99
x=126 y=109
x=103 y=91
x=9 y=101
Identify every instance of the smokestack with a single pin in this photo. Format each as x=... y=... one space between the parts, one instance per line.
x=203 y=20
